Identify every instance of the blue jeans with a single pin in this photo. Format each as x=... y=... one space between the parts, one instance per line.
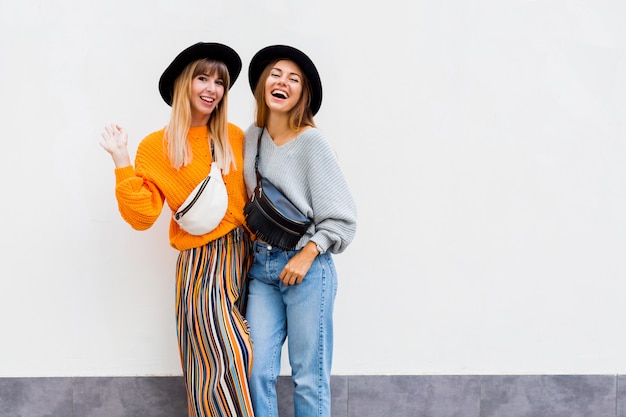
x=304 y=313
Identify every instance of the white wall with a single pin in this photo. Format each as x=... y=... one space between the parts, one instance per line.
x=484 y=142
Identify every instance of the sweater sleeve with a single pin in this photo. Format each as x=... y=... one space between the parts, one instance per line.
x=139 y=201
x=334 y=209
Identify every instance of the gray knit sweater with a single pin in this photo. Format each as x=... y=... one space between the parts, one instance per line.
x=306 y=170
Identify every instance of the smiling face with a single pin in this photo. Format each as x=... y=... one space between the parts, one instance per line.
x=207 y=91
x=283 y=86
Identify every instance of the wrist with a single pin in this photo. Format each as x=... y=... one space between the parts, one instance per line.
x=121 y=159
x=318 y=249
x=312 y=248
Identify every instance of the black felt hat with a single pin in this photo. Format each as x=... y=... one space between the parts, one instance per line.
x=211 y=50
x=274 y=52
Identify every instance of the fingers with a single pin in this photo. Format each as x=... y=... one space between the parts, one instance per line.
x=291 y=280
x=290 y=277
x=106 y=134
x=111 y=133
x=296 y=269
x=111 y=130
x=106 y=137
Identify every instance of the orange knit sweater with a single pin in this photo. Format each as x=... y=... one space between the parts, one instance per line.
x=142 y=191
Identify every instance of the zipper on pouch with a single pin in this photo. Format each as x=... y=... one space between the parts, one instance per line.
x=182 y=212
x=256 y=203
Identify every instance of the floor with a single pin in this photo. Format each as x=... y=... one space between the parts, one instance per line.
x=353 y=396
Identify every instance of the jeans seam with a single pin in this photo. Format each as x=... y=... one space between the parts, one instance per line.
x=274 y=375
x=320 y=364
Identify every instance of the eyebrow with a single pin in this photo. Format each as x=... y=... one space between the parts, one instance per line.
x=213 y=74
x=291 y=73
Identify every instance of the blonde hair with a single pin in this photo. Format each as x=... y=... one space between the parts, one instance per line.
x=175 y=140
x=301 y=114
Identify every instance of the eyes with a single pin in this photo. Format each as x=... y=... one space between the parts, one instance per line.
x=205 y=79
x=277 y=74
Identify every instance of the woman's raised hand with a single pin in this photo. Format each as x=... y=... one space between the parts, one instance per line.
x=115 y=141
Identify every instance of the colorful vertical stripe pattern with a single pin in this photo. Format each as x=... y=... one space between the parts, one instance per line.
x=213 y=335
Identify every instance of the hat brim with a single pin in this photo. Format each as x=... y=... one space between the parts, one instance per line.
x=275 y=52
x=211 y=50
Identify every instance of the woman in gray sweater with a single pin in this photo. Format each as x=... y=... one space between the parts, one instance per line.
x=292 y=292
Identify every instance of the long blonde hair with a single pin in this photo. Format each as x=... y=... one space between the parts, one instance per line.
x=175 y=139
x=301 y=114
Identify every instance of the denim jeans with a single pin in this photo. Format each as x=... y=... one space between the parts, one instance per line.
x=302 y=313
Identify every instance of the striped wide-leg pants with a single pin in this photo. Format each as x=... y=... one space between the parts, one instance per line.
x=213 y=335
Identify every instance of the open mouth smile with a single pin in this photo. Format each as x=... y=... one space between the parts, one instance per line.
x=279 y=94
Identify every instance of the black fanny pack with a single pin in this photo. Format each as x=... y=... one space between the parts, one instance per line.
x=271 y=216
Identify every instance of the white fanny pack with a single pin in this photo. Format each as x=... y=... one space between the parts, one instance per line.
x=206 y=205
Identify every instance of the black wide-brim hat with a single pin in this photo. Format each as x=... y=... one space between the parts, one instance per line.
x=276 y=52
x=200 y=50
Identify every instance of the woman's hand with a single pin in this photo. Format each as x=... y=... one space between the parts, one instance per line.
x=293 y=273
x=115 y=141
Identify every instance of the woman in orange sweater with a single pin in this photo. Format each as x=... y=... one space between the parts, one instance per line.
x=213 y=335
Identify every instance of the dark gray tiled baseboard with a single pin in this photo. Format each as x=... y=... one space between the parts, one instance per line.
x=353 y=396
